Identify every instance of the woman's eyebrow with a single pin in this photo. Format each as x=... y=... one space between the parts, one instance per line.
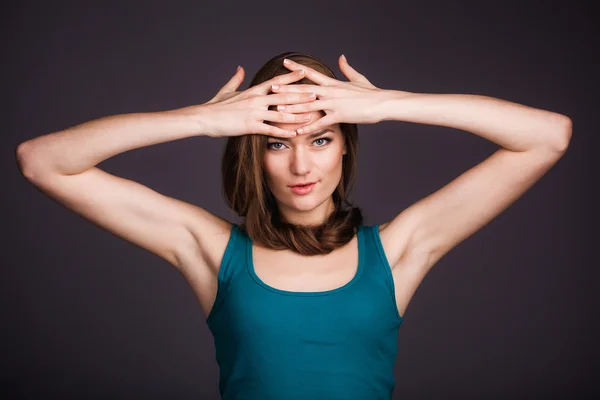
x=312 y=135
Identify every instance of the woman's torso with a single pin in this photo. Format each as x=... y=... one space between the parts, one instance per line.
x=289 y=326
x=289 y=271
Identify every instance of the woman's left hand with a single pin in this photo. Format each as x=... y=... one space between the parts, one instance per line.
x=354 y=102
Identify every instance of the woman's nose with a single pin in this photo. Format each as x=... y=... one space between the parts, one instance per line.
x=300 y=162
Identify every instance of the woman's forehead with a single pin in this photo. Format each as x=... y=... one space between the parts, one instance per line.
x=310 y=136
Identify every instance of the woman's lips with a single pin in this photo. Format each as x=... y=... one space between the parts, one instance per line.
x=303 y=189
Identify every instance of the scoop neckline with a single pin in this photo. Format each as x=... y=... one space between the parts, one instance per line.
x=359 y=270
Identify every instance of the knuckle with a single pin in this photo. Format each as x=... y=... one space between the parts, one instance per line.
x=272 y=131
x=248 y=126
x=253 y=91
x=254 y=101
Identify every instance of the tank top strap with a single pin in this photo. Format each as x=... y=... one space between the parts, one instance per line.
x=232 y=264
x=377 y=267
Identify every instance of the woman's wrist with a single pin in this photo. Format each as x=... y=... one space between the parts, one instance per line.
x=391 y=102
x=199 y=118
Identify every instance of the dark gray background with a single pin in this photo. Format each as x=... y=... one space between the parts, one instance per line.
x=506 y=314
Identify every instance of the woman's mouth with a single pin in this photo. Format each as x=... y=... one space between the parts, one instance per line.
x=303 y=189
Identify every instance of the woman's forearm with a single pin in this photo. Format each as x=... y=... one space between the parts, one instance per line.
x=513 y=126
x=76 y=149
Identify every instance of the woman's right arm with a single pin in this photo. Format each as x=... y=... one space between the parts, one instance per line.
x=62 y=165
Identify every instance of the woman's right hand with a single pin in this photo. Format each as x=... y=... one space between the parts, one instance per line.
x=232 y=113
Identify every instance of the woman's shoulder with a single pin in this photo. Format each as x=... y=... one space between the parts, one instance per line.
x=211 y=235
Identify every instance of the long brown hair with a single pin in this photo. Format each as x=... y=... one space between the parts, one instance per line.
x=246 y=192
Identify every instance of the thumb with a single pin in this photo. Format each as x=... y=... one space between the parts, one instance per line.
x=350 y=72
x=234 y=83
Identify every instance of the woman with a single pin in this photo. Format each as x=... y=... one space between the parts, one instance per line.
x=303 y=300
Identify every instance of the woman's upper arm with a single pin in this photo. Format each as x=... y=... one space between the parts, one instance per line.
x=172 y=229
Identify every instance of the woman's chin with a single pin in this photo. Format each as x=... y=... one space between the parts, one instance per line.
x=302 y=203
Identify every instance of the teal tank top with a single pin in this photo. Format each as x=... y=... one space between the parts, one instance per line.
x=274 y=344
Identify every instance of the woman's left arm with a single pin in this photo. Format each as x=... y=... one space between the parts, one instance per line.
x=513 y=126
x=532 y=141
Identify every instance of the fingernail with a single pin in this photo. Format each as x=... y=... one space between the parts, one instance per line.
x=275 y=86
x=286 y=61
x=344 y=57
x=299 y=131
x=238 y=68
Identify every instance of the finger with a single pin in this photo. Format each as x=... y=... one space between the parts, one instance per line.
x=293 y=76
x=311 y=74
x=272 y=130
x=321 y=123
x=319 y=105
x=321 y=91
x=284 y=79
x=287 y=118
x=234 y=83
x=350 y=73
x=287 y=98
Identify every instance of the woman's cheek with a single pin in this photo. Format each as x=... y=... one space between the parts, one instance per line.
x=331 y=164
x=274 y=181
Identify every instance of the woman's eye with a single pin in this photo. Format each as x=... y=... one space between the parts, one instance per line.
x=327 y=140
x=272 y=144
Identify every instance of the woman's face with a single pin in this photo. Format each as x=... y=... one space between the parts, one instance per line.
x=312 y=157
